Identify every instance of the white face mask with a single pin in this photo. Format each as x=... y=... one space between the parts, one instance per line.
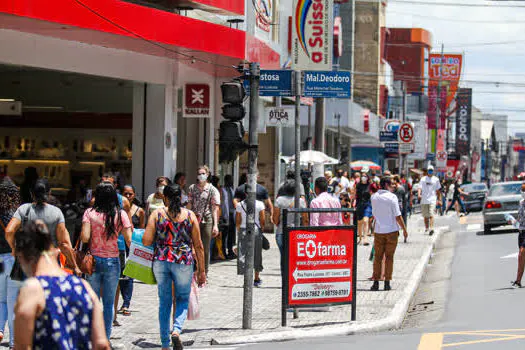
x=363 y=179
x=160 y=189
x=202 y=177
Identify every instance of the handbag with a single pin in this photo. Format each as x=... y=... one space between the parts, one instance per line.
x=199 y=216
x=139 y=265
x=84 y=259
x=265 y=241
x=193 y=305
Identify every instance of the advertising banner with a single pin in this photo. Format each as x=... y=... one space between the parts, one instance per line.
x=463 y=121
x=263 y=19
x=320 y=266
x=432 y=107
x=279 y=116
x=449 y=77
x=312 y=34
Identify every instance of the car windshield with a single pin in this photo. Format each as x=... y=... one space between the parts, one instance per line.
x=474 y=187
x=505 y=189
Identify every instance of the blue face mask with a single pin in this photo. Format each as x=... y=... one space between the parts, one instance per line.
x=430 y=172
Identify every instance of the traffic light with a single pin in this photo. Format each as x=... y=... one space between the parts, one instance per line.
x=231 y=131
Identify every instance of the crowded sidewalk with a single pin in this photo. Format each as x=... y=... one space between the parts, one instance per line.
x=221 y=300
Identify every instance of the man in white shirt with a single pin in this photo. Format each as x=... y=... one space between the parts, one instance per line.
x=388 y=220
x=345 y=183
x=429 y=195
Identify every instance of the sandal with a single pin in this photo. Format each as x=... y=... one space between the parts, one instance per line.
x=176 y=342
x=125 y=311
x=116 y=323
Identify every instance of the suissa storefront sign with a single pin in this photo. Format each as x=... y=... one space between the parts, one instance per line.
x=312 y=32
x=327 y=84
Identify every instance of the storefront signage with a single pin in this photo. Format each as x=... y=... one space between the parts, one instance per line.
x=273 y=83
x=279 y=116
x=263 y=18
x=463 y=121
x=312 y=34
x=320 y=266
x=196 y=101
x=391 y=150
x=327 y=84
x=386 y=136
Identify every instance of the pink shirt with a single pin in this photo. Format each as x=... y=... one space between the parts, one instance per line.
x=101 y=246
x=326 y=201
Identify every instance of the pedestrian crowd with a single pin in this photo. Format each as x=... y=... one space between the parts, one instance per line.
x=74 y=280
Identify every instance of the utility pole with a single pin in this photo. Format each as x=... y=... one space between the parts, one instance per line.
x=310 y=137
x=438 y=100
x=319 y=124
x=253 y=151
x=298 y=183
x=337 y=116
x=403 y=161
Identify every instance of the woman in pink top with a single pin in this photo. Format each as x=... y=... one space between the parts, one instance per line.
x=101 y=226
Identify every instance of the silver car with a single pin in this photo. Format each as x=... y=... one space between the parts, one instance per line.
x=503 y=198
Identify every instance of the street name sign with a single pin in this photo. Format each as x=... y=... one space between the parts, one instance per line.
x=327 y=84
x=388 y=136
x=273 y=83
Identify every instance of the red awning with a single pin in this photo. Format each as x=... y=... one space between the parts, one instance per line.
x=122 y=25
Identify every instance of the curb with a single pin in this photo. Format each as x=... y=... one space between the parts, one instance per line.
x=393 y=321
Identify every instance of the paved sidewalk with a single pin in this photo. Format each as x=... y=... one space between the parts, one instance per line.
x=221 y=300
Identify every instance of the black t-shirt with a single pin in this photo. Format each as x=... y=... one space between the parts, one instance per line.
x=360 y=189
x=261 y=193
x=332 y=186
x=456 y=189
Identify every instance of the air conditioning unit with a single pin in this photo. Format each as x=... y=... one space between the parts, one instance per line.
x=11 y=108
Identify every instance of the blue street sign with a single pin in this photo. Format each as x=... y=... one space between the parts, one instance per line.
x=391 y=150
x=387 y=136
x=327 y=84
x=273 y=83
x=431 y=156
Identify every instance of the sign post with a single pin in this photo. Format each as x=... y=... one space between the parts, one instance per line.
x=320 y=264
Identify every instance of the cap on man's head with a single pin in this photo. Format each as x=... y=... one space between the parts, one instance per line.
x=328 y=173
x=430 y=167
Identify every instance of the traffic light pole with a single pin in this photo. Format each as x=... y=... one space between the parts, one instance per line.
x=250 y=198
x=298 y=182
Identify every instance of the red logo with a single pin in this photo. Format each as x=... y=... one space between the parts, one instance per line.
x=197 y=100
x=406 y=132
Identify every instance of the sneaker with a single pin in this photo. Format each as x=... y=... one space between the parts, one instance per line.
x=431 y=232
x=257 y=283
x=516 y=284
x=387 y=286
x=426 y=231
x=375 y=286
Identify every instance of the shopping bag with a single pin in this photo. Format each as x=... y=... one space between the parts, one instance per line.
x=140 y=261
x=193 y=306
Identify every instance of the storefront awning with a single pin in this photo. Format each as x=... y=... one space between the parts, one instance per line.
x=358 y=139
x=210 y=47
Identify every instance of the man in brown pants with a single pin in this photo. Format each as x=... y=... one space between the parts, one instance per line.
x=388 y=220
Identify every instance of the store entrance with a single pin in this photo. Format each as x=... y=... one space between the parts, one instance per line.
x=70 y=128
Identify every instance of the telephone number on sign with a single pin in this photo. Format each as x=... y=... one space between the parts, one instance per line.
x=321 y=293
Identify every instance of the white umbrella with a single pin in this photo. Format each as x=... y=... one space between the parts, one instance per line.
x=314 y=157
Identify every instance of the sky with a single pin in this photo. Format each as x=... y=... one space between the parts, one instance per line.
x=491 y=39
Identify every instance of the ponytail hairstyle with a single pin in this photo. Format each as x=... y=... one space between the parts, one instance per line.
x=173 y=194
x=32 y=241
x=106 y=202
x=40 y=191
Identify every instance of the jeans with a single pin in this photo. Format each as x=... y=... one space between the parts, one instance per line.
x=180 y=275
x=206 y=231
x=125 y=283
x=279 y=239
x=228 y=236
x=106 y=278
x=8 y=294
x=461 y=203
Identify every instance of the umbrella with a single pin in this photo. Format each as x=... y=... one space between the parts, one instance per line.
x=360 y=164
x=314 y=157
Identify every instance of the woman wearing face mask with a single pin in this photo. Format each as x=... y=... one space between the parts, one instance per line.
x=156 y=200
x=204 y=200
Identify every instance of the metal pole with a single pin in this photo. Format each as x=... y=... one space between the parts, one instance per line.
x=338 y=116
x=298 y=184
x=319 y=124
x=438 y=100
x=310 y=137
x=405 y=158
x=250 y=207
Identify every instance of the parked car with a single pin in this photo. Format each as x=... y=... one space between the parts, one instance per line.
x=477 y=192
x=503 y=198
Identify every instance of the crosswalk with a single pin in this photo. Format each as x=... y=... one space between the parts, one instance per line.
x=474 y=227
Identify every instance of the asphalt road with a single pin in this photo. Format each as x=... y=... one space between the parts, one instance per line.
x=465 y=300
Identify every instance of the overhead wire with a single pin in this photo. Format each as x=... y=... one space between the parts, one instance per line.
x=450 y=4
x=456 y=19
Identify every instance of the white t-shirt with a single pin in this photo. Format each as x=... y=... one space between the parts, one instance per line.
x=429 y=186
x=242 y=209
x=385 y=208
x=450 y=193
x=345 y=183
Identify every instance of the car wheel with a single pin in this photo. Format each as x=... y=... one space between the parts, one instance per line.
x=487 y=229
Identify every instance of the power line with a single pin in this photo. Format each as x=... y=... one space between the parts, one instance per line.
x=457 y=19
x=190 y=57
x=450 y=4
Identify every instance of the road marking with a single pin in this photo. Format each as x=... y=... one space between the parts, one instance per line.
x=435 y=341
x=510 y=256
x=473 y=227
x=431 y=341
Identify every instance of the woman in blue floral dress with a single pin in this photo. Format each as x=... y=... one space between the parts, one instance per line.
x=54 y=310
